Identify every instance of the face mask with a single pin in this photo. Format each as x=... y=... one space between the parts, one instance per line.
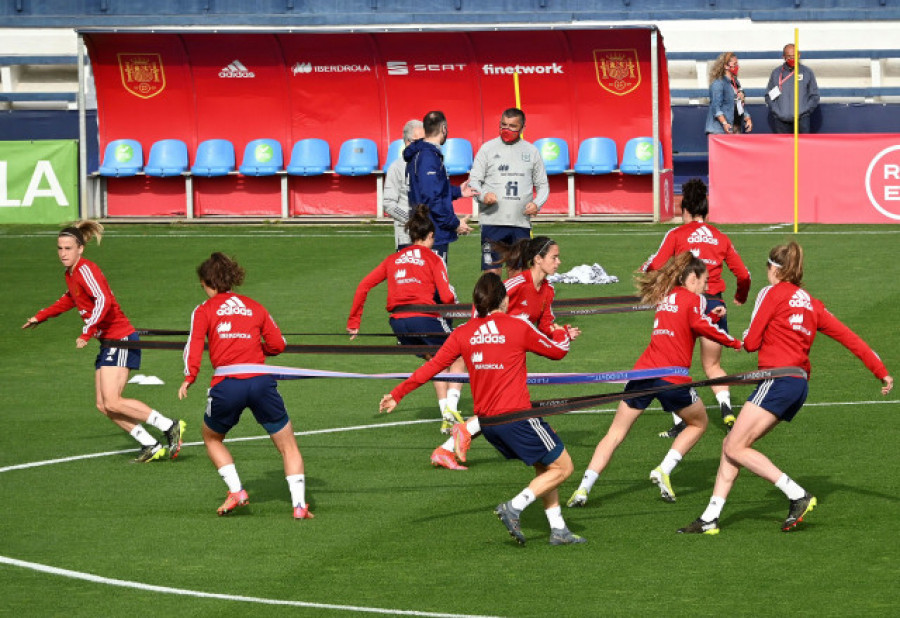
x=735 y=69
x=509 y=136
x=789 y=62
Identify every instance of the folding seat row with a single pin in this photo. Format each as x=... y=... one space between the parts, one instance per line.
x=598 y=155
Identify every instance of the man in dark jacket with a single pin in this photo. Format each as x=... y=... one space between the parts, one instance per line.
x=780 y=94
x=429 y=183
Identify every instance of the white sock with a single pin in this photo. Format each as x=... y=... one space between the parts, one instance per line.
x=675 y=419
x=714 y=510
x=473 y=426
x=442 y=404
x=724 y=397
x=163 y=423
x=554 y=516
x=297 y=485
x=791 y=489
x=142 y=436
x=448 y=444
x=587 y=481
x=230 y=476
x=453 y=395
x=670 y=461
x=525 y=497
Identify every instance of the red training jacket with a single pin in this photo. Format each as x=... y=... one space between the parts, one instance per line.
x=784 y=324
x=239 y=330
x=710 y=245
x=536 y=305
x=88 y=290
x=494 y=350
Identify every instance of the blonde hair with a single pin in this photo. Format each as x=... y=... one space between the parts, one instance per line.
x=787 y=259
x=83 y=231
x=717 y=68
x=653 y=286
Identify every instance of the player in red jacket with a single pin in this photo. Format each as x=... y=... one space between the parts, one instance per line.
x=530 y=296
x=493 y=347
x=239 y=331
x=783 y=326
x=715 y=249
x=415 y=276
x=677 y=291
x=89 y=293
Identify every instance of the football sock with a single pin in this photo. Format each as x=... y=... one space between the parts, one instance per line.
x=230 y=476
x=453 y=395
x=442 y=404
x=297 y=485
x=142 y=436
x=448 y=444
x=675 y=419
x=714 y=510
x=670 y=461
x=587 y=481
x=791 y=489
x=473 y=426
x=159 y=421
x=525 y=497
x=555 y=518
x=724 y=397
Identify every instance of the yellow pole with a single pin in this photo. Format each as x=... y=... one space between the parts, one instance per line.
x=796 y=127
x=518 y=98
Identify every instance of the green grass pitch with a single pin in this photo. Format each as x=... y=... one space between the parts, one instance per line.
x=393 y=535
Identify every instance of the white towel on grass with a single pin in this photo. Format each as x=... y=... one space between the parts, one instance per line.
x=584 y=274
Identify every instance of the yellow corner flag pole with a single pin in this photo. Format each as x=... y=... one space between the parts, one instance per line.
x=518 y=98
x=796 y=127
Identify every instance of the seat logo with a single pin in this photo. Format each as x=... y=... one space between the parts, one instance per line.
x=142 y=74
x=618 y=70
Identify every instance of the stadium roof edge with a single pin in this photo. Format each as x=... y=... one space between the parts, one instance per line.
x=170 y=29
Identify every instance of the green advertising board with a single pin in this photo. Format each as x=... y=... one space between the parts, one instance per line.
x=38 y=181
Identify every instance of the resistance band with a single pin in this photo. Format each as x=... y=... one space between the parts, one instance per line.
x=549 y=407
x=291 y=349
x=298 y=373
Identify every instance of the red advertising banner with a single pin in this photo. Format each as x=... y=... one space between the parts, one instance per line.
x=573 y=84
x=843 y=178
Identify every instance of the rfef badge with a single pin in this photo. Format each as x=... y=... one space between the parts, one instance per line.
x=618 y=70
x=142 y=74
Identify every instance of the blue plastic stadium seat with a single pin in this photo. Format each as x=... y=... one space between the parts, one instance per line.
x=555 y=153
x=357 y=157
x=638 y=156
x=597 y=155
x=395 y=151
x=262 y=157
x=215 y=157
x=123 y=157
x=458 y=155
x=168 y=157
x=310 y=157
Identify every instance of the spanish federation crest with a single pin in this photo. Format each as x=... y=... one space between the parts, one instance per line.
x=142 y=74
x=618 y=70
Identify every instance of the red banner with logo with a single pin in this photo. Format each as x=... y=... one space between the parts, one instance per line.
x=573 y=84
x=843 y=178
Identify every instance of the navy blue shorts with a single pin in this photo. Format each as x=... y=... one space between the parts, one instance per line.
x=531 y=440
x=442 y=251
x=119 y=357
x=420 y=324
x=671 y=401
x=506 y=234
x=782 y=397
x=228 y=399
x=711 y=303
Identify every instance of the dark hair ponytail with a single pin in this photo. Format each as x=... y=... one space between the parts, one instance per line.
x=420 y=224
x=520 y=255
x=694 y=198
x=220 y=272
x=488 y=294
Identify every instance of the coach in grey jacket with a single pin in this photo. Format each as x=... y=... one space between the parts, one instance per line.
x=509 y=174
x=780 y=94
x=395 y=198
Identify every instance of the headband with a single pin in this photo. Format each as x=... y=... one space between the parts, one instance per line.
x=775 y=264
x=74 y=233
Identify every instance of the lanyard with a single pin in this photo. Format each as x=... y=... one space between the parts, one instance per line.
x=782 y=78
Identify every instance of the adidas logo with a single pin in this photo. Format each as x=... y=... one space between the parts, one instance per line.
x=477 y=357
x=400 y=274
x=223 y=327
x=524 y=303
x=702 y=235
x=802 y=300
x=234 y=306
x=236 y=69
x=797 y=318
x=668 y=304
x=413 y=256
x=487 y=333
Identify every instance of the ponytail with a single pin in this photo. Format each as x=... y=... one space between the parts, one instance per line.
x=420 y=224
x=787 y=259
x=83 y=231
x=220 y=272
x=656 y=284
